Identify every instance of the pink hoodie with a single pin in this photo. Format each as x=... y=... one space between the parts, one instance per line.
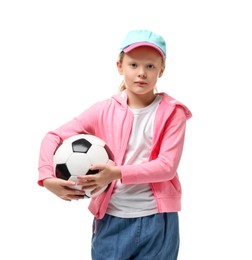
x=111 y=120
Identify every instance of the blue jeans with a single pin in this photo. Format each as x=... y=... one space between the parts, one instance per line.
x=154 y=237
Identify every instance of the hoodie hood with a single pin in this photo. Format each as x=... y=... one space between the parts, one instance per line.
x=122 y=98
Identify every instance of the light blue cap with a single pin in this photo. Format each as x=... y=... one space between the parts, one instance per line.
x=137 y=38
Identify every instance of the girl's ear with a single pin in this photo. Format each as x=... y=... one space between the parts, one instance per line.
x=119 y=67
x=161 y=72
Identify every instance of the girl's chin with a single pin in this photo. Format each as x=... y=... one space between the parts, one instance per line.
x=141 y=91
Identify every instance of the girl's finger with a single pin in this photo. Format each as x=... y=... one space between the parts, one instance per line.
x=98 y=167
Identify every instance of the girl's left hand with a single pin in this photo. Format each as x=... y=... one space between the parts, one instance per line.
x=107 y=173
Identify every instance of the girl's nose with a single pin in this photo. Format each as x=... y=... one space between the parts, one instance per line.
x=142 y=74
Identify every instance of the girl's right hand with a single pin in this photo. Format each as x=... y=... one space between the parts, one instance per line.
x=62 y=189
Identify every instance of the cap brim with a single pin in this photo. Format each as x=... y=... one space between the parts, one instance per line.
x=140 y=44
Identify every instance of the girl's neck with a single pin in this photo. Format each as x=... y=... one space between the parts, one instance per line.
x=140 y=101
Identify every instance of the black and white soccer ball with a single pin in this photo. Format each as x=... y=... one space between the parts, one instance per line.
x=75 y=156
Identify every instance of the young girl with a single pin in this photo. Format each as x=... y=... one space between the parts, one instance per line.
x=136 y=217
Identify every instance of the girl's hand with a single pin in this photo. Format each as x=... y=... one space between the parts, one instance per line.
x=107 y=173
x=62 y=189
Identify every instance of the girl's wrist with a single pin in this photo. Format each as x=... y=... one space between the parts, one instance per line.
x=117 y=173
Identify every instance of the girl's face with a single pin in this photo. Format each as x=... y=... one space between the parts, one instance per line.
x=141 y=69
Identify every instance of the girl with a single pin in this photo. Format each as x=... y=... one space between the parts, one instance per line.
x=136 y=217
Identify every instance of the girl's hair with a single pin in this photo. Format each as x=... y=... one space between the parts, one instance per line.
x=122 y=86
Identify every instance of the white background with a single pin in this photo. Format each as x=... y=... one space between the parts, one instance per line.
x=58 y=57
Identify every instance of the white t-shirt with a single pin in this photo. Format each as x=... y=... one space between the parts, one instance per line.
x=130 y=201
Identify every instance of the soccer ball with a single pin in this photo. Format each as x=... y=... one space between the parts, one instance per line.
x=75 y=156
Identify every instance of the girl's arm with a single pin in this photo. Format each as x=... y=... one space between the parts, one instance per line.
x=162 y=167
x=84 y=123
x=159 y=169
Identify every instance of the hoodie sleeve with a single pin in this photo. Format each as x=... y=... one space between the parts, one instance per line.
x=84 y=123
x=165 y=156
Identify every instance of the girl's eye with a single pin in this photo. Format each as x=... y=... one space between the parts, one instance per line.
x=150 y=66
x=133 y=65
